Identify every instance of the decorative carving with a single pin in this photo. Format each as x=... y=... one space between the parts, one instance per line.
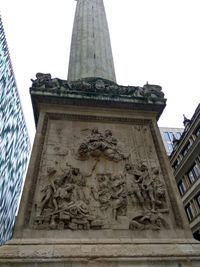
x=44 y=80
x=115 y=193
x=111 y=193
x=95 y=86
x=97 y=144
x=146 y=186
x=151 y=90
x=64 y=202
x=149 y=220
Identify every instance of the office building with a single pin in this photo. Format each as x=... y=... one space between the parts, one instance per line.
x=168 y=136
x=14 y=143
x=185 y=160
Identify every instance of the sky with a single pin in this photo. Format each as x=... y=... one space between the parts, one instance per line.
x=152 y=40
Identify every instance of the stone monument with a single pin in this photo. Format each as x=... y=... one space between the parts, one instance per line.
x=99 y=189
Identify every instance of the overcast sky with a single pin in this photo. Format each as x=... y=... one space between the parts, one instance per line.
x=153 y=40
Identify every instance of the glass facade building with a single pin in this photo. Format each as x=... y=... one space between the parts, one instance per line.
x=168 y=135
x=14 y=143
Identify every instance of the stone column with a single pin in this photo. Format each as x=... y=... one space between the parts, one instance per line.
x=91 y=53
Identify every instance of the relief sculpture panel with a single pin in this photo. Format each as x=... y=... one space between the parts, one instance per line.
x=93 y=177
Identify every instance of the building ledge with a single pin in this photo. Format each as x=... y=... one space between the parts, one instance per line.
x=96 y=92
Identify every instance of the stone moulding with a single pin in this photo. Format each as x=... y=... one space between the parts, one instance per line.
x=96 y=92
x=100 y=250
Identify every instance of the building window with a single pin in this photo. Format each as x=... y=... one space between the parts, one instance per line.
x=193 y=173
x=178 y=135
x=197 y=131
x=168 y=136
x=181 y=186
x=175 y=165
x=189 y=212
x=186 y=148
x=198 y=199
x=170 y=147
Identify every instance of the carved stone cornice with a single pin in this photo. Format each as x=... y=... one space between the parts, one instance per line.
x=95 y=92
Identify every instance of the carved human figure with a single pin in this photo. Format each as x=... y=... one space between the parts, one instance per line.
x=159 y=189
x=150 y=220
x=153 y=90
x=118 y=195
x=63 y=195
x=42 y=80
x=136 y=179
x=46 y=192
x=102 y=193
x=148 y=186
x=78 y=179
x=110 y=147
x=97 y=144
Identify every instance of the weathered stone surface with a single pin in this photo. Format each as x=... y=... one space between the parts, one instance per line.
x=95 y=87
x=91 y=53
x=100 y=252
x=98 y=172
x=99 y=189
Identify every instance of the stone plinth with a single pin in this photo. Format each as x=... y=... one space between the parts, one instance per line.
x=100 y=253
x=99 y=189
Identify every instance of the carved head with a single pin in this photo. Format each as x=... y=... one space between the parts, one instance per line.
x=95 y=131
x=75 y=171
x=108 y=133
x=155 y=171
x=128 y=167
x=51 y=170
x=143 y=167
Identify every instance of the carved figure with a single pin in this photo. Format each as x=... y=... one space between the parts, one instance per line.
x=100 y=85
x=150 y=90
x=64 y=203
x=150 y=220
x=42 y=80
x=97 y=144
x=136 y=179
x=111 y=194
x=145 y=186
x=119 y=196
x=46 y=192
x=159 y=189
x=102 y=193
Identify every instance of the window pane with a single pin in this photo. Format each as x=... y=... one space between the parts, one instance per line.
x=189 y=212
x=194 y=173
x=167 y=137
x=178 y=135
x=198 y=200
x=181 y=187
x=171 y=136
x=170 y=147
x=186 y=148
x=196 y=170
x=191 y=177
x=197 y=132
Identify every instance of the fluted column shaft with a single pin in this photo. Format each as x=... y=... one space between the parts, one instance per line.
x=91 y=53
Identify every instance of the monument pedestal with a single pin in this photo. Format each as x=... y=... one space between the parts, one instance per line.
x=100 y=253
x=99 y=189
